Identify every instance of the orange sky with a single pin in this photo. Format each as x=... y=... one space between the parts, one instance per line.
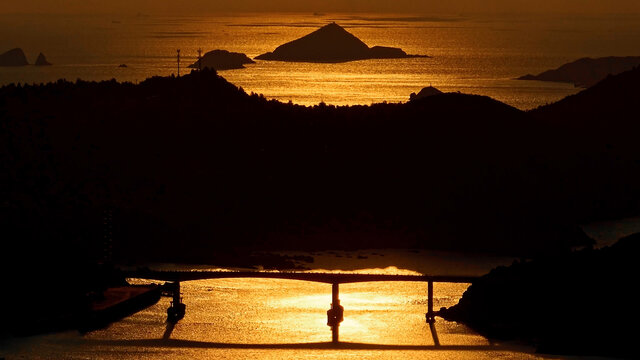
x=398 y=6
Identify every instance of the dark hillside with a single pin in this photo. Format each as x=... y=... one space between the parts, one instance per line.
x=567 y=304
x=593 y=135
x=194 y=168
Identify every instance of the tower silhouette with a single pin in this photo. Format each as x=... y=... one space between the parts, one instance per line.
x=178 y=62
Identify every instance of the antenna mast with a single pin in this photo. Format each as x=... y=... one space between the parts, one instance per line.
x=199 y=59
x=178 y=62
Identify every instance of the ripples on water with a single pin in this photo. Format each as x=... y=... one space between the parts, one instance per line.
x=277 y=319
x=478 y=55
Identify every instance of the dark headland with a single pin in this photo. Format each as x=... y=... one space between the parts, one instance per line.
x=578 y=303
x=13 y=57
x=332 y=44
x=587 y=72
x=222 y=60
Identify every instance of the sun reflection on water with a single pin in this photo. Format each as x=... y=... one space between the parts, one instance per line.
x=276 y=319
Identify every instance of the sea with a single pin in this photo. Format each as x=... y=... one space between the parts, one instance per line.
x=270 y=319
x=285 y=319
x=475 y=54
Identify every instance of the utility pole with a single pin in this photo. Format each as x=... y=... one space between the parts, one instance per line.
x=199 y=59
x=178 y=62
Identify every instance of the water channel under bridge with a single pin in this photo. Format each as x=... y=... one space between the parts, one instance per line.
x=334 y=315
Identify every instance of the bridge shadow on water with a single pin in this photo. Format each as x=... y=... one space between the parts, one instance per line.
x=176 y=343
x=167 y=342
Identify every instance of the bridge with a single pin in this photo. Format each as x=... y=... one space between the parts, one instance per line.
x=334 y=315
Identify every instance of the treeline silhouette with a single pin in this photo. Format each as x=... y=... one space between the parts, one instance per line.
x=196 y=170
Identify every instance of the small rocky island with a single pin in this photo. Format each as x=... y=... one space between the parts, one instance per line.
x=587 y=72
x=42 y=60
x=13 y=57
x=332 y=44
x=222 y=60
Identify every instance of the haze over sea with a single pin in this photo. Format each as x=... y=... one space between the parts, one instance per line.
x=476 y=54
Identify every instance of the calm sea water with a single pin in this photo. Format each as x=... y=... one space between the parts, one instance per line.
x=286 y=319
x=471 y=54
x=277 y=319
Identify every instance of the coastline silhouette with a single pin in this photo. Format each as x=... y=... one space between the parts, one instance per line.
x=587 y=72
x=513 y=302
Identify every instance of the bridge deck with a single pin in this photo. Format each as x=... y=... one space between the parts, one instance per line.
x=329 y=278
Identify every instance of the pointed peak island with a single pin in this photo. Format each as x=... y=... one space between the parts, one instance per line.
x=42 y=60
x=332 y=44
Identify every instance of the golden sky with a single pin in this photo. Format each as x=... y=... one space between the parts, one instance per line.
x=397 y=6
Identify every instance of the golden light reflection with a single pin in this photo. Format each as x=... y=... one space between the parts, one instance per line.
x=276 y=311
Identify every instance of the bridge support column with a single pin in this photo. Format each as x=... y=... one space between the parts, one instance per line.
x=335 y=315
x=431 y=315
x=177 y=309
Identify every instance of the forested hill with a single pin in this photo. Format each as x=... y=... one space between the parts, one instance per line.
x=593 y=136
x=193 y=166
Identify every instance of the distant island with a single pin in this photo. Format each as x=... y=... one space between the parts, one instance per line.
x=586 y=72
x=222 y=60
x=332 y=44
x=16 y=57
x=42 y=60
x=13 y=57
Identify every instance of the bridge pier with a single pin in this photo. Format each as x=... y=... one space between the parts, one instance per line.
x=176 y=311
x=335 y=315
x=431 y=315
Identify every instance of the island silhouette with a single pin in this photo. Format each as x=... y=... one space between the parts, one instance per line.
x=17 y=57
x=42 y=61
x=13 y=57
x=332 y=44
x=222 y=60
x=586 y=72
